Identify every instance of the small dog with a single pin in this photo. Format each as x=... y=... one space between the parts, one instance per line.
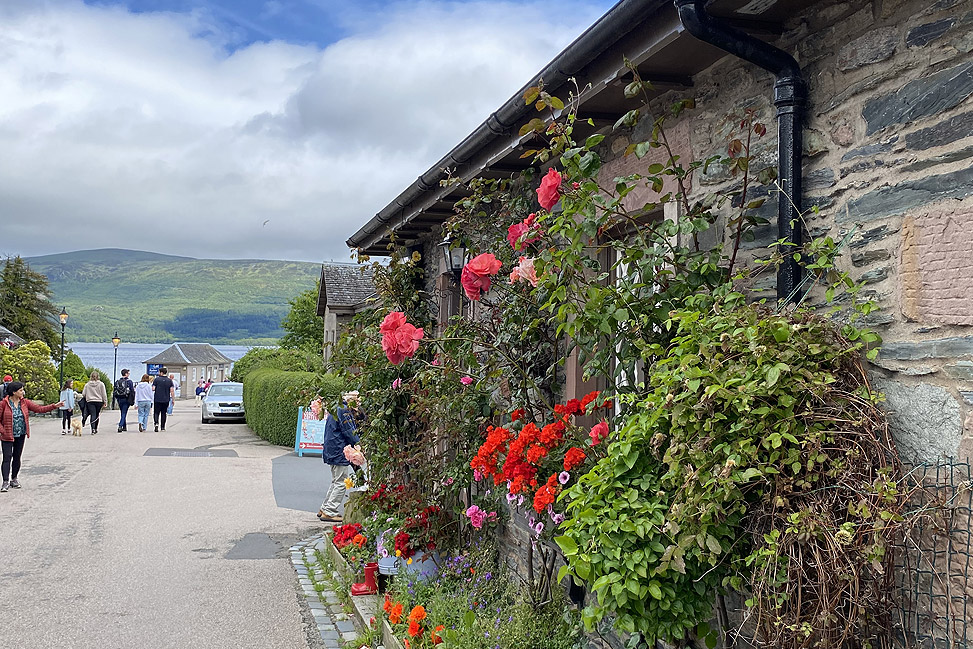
x=76 y=427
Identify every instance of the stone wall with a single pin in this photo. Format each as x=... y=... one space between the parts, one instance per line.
x=888 y=152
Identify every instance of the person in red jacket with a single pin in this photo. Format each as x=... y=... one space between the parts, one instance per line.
x=15 y=412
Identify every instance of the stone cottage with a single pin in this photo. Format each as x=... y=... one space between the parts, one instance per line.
x=869 y=110
x=343 y=291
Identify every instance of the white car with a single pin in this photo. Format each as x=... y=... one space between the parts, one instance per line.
x=223 y=401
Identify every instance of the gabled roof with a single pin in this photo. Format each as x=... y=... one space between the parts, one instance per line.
x=344 y=286
x=189 y=354
x=8 y=336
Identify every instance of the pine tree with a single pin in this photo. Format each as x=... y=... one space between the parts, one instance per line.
x=25 y=304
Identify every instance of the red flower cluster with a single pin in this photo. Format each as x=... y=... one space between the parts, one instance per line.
x=573 y=458
x=345 y=534
x=477 y=273
x=402 y=545
x=522 y=234
x=488 y=457
x=547 y=494
x=400 y=340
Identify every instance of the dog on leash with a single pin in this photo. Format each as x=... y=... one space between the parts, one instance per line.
x=76 y=427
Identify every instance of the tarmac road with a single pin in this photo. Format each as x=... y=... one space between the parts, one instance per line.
x=155 y=540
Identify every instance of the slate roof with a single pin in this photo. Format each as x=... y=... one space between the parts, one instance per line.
x=344 y=286
x=7 y=335
x=189 y=354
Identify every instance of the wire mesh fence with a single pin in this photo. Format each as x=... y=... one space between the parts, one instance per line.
x=934 y=560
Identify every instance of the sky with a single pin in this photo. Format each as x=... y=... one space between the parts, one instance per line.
x=239 y=129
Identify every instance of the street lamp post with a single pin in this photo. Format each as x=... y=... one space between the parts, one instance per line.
x=64 y=320
x=114 y=341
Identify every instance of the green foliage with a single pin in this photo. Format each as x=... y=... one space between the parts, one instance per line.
x=25 y=305
x=73 y=367
x=159 y=298
x=271 y=399
x=31 y=364
x=292 y=360
x=743 y=413
x=304 y=327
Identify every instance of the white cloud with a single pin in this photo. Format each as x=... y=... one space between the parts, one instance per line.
x=143 y=131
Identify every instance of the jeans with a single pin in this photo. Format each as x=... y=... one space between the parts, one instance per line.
x=336 y=492
x=145 y=407
x=159 y=410
x=11 y=455
x=172 y=402
x=94 y=414
x=123 y=406
x=66 y=418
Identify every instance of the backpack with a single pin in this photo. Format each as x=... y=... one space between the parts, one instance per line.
x=122 y=391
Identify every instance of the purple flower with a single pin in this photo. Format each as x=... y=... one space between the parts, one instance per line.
x=557 y=518
x=466 y=380
x=477 y=475
x=520 y=501
x=511 y=497
x=563 y=477
x=539 y=528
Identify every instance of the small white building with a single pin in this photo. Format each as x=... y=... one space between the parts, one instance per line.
x=190 y=362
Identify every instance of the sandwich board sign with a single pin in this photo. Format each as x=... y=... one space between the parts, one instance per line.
x=309 y=439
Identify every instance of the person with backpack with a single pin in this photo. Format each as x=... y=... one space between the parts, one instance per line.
x=122 y=395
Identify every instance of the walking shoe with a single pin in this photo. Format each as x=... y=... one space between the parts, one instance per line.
x=4 y=486
x=64 y=432
x=141 y=428
x=157 y=428
x=120 y=429
x=15 y=484
x=330 y=519
x=163 y=429
x=94 y=432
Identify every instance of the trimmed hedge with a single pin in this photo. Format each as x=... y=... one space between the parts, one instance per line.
x=271 y=399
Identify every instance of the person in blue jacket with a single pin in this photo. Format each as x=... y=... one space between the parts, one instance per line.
x=340 y=430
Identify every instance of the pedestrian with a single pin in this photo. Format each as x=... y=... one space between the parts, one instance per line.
x=123 y=394
x=3 y=388
x=95 y=396
x=143 y=399
x=15 y=411
x=200 y=392
x=175 y=387
x=68 y=398
x=163 y=392
x=340 y=430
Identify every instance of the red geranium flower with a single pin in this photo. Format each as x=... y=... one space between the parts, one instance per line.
x=547 y=193
x=477 y=273
x=573 y=458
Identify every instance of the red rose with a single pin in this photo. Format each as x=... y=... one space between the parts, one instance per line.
x=547 y=193
x=400 y=340
x=477 y=273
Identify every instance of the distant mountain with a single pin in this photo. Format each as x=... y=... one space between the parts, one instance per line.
x=152 y=298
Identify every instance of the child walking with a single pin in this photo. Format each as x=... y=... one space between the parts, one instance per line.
x=68 y=397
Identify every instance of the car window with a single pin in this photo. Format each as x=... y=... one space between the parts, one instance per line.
x=225 y=391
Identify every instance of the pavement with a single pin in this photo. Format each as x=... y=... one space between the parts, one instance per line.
x=159 y=540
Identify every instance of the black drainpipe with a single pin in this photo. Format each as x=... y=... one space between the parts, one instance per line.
x=790 y=97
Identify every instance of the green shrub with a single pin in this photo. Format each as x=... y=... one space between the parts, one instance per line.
x=31 y=364
x=293 y=360
x=271 y=398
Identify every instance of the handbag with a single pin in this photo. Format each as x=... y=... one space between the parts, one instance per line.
x=82 y=404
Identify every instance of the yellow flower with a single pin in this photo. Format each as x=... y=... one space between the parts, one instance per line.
x=409 y=561
x=349 y=483
x=398 y=553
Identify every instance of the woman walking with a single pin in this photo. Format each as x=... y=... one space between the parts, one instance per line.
x=96 y=396
x=143 y=399
x=15 y=412
x=68 y=397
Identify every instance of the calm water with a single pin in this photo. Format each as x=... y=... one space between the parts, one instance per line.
x=132 y=355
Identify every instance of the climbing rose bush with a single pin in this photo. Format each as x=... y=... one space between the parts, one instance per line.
x=477 y=274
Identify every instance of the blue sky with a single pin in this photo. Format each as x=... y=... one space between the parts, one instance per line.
x=245 y=128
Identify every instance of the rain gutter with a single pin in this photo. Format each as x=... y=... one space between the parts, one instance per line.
x=790 y=98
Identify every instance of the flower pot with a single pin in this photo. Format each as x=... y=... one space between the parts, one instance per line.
x=388 y=565
x=424 y=566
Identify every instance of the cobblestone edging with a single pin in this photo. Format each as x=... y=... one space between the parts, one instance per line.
x=334 y=626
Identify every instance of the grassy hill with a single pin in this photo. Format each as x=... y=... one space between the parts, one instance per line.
x=148 y=297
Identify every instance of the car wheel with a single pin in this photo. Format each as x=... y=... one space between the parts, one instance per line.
x=205 y=420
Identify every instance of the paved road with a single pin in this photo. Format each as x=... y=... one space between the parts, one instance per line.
x=113 y=542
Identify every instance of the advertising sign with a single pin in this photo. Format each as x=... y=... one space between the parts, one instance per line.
x=310 y=435
x=152 y=369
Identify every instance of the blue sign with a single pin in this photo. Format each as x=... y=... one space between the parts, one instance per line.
x=152 y=369
x=309 y=439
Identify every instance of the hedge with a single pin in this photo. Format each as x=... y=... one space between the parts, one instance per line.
x=271 y=399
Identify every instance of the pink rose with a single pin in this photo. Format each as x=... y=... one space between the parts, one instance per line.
x=466 y=380
x=599 y=432
x=400 y=340
x=520 y=235
x=547 y=193
x=477 y=273
x=525 y=271
x=392 y=321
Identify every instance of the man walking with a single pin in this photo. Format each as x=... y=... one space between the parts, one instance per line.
x=339 y=431
x=122 y=394
x=163 y=392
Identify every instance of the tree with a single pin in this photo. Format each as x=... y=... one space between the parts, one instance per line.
x=31 y=364
x=304 y=327
x=25 y=304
